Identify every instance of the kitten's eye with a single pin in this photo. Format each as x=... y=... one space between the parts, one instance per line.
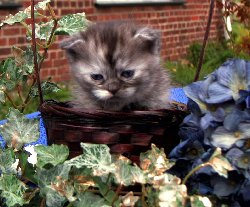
x=127 y=73
x=97 y=77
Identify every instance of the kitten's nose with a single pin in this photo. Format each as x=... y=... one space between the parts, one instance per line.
x=113 y=87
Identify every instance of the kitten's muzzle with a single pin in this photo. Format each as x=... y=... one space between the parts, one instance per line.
x=113 y=87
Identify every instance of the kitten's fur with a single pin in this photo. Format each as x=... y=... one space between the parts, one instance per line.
x=108 y=49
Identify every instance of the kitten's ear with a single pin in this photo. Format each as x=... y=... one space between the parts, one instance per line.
x=150 y=37
x=72 y=45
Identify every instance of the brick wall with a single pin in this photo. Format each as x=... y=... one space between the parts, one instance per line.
x=180 y=26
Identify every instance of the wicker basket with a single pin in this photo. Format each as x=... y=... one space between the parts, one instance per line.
x=127 y=133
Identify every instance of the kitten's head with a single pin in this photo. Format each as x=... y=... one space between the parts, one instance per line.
x=114 y=60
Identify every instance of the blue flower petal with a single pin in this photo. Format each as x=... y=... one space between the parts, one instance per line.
x=233 y=119
x=218 y=94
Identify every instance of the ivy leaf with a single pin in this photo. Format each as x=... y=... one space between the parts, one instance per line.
x=106 y=192
x=154 y=161
x=173 y=195
x=10 y=74
x=19 y=130
x=91 y=200
x=50 y=184
x=126 y=174
x=42 y=5
x=96 y=157
x=28 y=169
x=53 y=199
x=12 y=19
x=199 y=201
x=47 y=88
x=54 y=154
x=7 y=161
x=219 y=163
x=43 y=30
x=12 y=190
x=23 y=15
x=24 y=59
x=72 y=23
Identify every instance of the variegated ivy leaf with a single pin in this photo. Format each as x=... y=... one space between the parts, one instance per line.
x=54 y=154
x=47 y=88
x=173 y=195
x=96 y=157
x=199 y=201
x=22 y=15
x=7 y=161
x=91 y=200
x=12 y=19
x=43 y=30
x=219 y=163
x=126 y=174
x=72 y=23
x=54 y=185
x=42 y=4
x=19 y=130
x=154 y=161
x=24 y=59
x=12 y=190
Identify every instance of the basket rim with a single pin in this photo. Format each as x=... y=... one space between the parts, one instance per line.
x=63 y=109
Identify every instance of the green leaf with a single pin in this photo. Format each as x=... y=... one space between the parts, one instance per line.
x=7 y=161
x=154 y=161
x=219 y=163
x=96 y=157
x=42 y=4
x=10 y=74
x=25 y=60
x=12 y=189
x=54 y=186
x=173 y=195
x=199 y=201
x=91 y=200
x=106 y=192
x=71 y=24
x=28 y=169
x=19 y=130
x=23 y=15
x=19 y=17
x=126 y=174
x=47 y=88
x=54 y=154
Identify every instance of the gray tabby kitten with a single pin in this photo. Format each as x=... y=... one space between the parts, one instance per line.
x=116 y=66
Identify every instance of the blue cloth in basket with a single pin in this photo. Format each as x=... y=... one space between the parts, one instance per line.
x=177 y=95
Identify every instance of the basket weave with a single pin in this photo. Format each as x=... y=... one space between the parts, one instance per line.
x=127 y=133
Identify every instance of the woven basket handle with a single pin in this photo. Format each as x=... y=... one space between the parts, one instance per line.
x=34 y=49
x=202 y=53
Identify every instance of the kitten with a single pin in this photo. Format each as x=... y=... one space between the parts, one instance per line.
x=116 y=66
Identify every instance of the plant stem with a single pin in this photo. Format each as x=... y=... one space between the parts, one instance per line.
x=193 y=171
x=144 y=204
x=43 y=203
x=118 y=190
x=210 y=16
x=11 y=101
x=35 y=51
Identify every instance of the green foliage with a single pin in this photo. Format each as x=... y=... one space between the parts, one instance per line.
x=12 y=189
x=183 y=72
x=17 y=73
x=95 y=157
x=49 y=154
x=18 y=130
x=72 y=23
